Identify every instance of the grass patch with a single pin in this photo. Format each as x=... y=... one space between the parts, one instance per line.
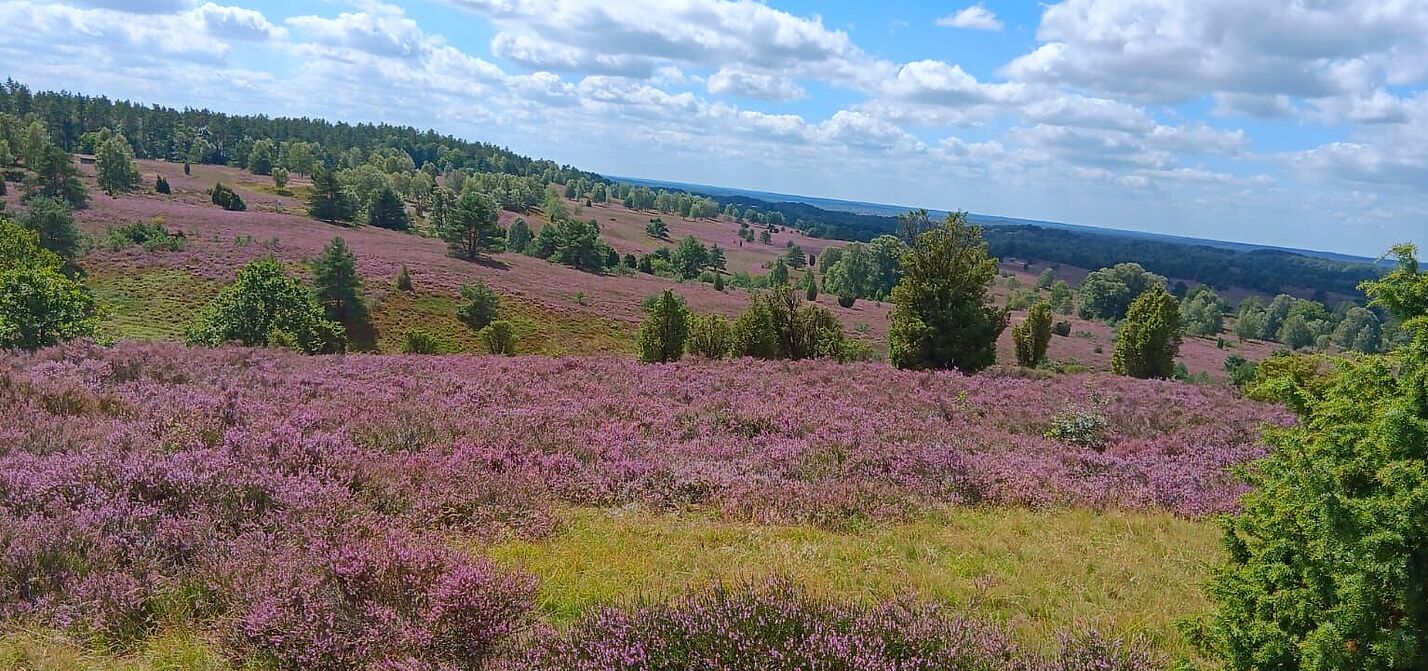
x=49 y=651
x=153 y=305
x=540 y=331
x=1039 y=571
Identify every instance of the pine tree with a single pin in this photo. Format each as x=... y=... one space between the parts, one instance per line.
x=718 y=281
x=161 y=185
x=472 y=224
x=664 y=330
x=482 y=306
x=386 y=210
x=942 y=314
x=404 y=279
x=1148 y=339
x=328 y=202
x=56 y=177
x=811 y=284
x=518 y=236
x=1033 y=336
x=336 y=284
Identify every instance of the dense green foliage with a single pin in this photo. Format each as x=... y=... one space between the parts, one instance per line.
x=265 y=306
x=664 y=330
x=500 y=338
x=1202 y=312
x=385 y=209
x=1107 y=293
x=417 y=341
x=151 y=235
x=328 y=201
x=39 y=305
x=481 y=305
x=1328 y=562
x=51 y=220
x=518 y=236
x=227 y=198
x=472 y=225
x=114 y=167
x=336 y=285
x=779 y=324
x=942 y=315
x=1148 y=339
x=1033 y=335
x=710 y=336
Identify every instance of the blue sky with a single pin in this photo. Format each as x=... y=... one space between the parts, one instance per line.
x=1290 y=122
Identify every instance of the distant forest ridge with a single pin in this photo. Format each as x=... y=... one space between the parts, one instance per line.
x=1220 y=264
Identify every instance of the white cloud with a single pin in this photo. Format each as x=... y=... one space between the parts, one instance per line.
x=729 y=81
x=238 y=23
x=975 y=17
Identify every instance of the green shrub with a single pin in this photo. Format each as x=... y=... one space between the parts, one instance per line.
x=500 y=338
x=1062 y=329
x=152 y=236
x=1148 y=340
x=404 y=279
x=417 y=341
x=264 y=305
x=39 y=305
x=665 y=328
x=227 y=198
x=710 y=336
x=1033 y=335
x=482 y=305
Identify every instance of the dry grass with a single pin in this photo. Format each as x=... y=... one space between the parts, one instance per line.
x=1039 y=571
x=48 y=651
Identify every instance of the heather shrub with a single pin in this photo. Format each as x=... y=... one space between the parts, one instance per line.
x=376 y=602
x=778 y=625
x=1081 y=429
x=482 y=305
x=500 y=338
x=710 y=336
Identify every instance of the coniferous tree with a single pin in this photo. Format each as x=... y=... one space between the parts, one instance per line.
x=386 y=210
x=1148 y=339
x=472 y=224
x=942 y=315
x=709 y=336
x=500 y=338
x=778 y=275
x=55 y=176
x=280 y=179
x=718 y=281
x=1033 y=336
x=404 y=279
x=518 y=236
x=482 y=305
x=664 y=330
x=227 y=198
x=161 y=185
x=51 y=220
x=336 y=284
x=328 y=202
x=810 y=284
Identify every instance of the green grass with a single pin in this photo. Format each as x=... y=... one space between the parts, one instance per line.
x=152 y=305
x=540 y=331
x=48 y=651
x=1040 y=572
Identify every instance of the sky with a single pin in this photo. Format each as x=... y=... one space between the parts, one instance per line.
x=1289 y=122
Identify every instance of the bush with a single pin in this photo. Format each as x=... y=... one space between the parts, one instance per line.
x=710 y=336
x=1062 y=329
x=404 y=279
x=39 y=305
x=265 y=306
x=161 y=185
x=1240 y=370
x=417 y=341
x=1032 y=336
x=500 y=338
x=847 y=300
x=779 y=325
x=482 y=306
x=1148 y=340
x=664 y=330
x=227 y=199
x=152 y=236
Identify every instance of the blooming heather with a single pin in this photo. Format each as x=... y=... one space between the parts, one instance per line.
x=303 y=506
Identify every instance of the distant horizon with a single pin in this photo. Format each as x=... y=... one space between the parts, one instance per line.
x=1019 y=220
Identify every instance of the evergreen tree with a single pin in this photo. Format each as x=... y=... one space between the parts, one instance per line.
x=664 y=330
x=718 y=281
x=56 y=177
x=810 y=284
x=161 y=185
x=518 y=236
x=1032 y=336
x=265 y=306
x=227 y=198
x=328 y=202
x=689 y=257
x=482 y=305
x=404 y=279
x=942 y=315
x=114 y=165
x=187 y=169
x=39 y=305
x=717 y=259
x=500 y=338
x=261 y=157
x=386 y=210
x=472 y=225
x=336 y=284
x=52 y=221
x=1327 y=562
x=778 y=275
x=280 y=179
x=1148 y=339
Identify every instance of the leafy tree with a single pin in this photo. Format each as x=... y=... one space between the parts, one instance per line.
x=1107 y=293
x=299 y=158
x=710 y=336
x=942 y=315
x=265 y=306
x=336 y=284
x=1046 y=279
x=1250 y=322
x=1240 y=370
x=328 y=202
x=518 y=236
x=262 y=156
x=796 y=258
x=500 y=338
x=39 y=305
x=1327 y=564
x=51 y=220
x=1148 y=339
x=114 y=165
x=161 y=185
x=6 y=158
x=689 y=257
x=1061 y=300
x=657 y=229
x=280 y=179
x=404 y=279
x=472 y=225
x=386 y=210
x=1295 y=333
x=717 y=260
x=665 y=328
x=778 y=275
x=1359 y=331
x=227 y=198
x=56 y=177
x=482 y=305
x=577 y=244
x=1202 y=312
x=765 y=237
x=1032 y=336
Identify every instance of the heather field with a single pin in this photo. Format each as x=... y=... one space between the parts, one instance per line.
x=557 y=310
x=410 y=512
